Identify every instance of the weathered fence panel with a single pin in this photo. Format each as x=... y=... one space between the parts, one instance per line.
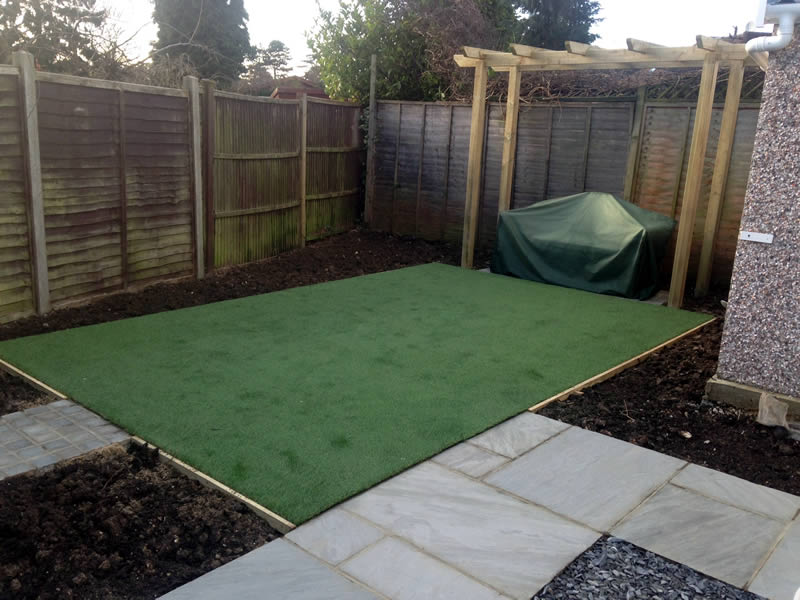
x=422 y=150
x=258 y=166
x=16 y=291
x=562 y=148
x=79 y=137
x=661 y=175
x=157 y=166
x=256 y=178
x=333 y=167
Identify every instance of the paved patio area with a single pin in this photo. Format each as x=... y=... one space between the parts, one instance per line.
x=502 y=514
x=43 y=435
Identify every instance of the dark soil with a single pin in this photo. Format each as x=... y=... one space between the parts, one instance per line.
x=350 y=254
x=613 y=569
x=116 y=524
x=660 y=403
x=16 y=394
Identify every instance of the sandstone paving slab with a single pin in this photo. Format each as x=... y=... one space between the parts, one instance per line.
x=719 y=540
x=741 y=493
x=780 y=576
x=518 y=435
x=335 y=535
x=512 y=546
x=587 y=476
x=279 y=571
x=470 y=460
x=401 y=572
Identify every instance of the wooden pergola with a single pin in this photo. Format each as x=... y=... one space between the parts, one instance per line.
x=708 y=53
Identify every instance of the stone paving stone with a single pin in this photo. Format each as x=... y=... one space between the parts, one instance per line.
x=37 y=410
x=510 y=545
x=714 y=538
x=335 y=535
x=8 y=459
x=470 y=460
x=46 y=460
x=278 y=570
x=17 y=468
x=68 y=452
x=120 y=436
x=32 y=451
x=61 y=404
x=40 y=433
x=18 y=444
x=90 y=444
x=518 y=435
x=589 y=477
x=401 y=572
x=779 y=579
x=55 y=444
x=741 y=493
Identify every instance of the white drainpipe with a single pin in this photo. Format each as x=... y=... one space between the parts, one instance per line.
x=785 y=15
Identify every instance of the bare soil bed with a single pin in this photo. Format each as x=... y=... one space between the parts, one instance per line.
x=16 y=394
x=357 y=252
x=116 y=524
x=659 y=404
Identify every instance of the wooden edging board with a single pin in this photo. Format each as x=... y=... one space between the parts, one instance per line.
x=617 y=369
x=274 y=519
x=39 y=385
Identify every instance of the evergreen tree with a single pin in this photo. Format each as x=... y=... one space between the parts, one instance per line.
x=212 y=34
x=550 y=23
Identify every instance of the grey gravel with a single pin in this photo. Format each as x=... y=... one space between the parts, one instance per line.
x=613 y=569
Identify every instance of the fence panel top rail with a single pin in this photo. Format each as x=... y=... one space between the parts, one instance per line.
x=317 y=100
x=8 y=70
x=246 y=98
x=108 y=85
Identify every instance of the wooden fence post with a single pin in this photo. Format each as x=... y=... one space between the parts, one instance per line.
x=509 y=141
x=209 y=133
x=473 y=195
x=633 y=151
x=369 y=195
x=694 y=180
x=303 y=166
x=27 y=81
x=192 y=87
x=730 y=115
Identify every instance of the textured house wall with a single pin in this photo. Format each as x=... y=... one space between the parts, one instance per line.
x=761 y=340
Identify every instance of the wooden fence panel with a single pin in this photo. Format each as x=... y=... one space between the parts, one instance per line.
x=79 y=134
x=256 y=178
x=16 y=291
x=534 y=131
x=333 y=170
x=157 y=167
x=662 y=171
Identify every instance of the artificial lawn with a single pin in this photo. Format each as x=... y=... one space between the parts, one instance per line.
x=304 y=397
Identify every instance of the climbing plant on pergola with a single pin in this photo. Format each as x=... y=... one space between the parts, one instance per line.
x=708 y=53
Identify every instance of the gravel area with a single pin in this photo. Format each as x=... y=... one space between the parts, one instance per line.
x=613 y=569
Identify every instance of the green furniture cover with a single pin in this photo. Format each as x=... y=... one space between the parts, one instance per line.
x=591 y=241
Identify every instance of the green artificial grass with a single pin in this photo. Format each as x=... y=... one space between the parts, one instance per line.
x=302 y=398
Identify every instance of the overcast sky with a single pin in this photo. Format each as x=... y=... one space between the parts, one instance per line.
x=667 y=22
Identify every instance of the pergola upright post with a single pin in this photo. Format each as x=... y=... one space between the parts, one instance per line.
x=730 y=115
x=472 y=203
x=509 y=140
x=694 y=179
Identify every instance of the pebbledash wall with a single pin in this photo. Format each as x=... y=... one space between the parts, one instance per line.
x=761 y=339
